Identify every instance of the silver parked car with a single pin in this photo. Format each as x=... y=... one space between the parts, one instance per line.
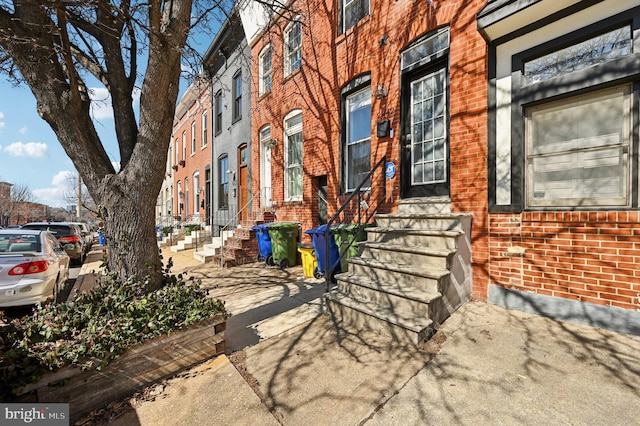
x=33 y=267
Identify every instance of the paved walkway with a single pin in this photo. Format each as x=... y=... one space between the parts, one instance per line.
x=287 y=363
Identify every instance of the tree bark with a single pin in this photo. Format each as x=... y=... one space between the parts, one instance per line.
x=43 y=49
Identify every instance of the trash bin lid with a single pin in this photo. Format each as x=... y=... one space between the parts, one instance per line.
x=262 y=226
x=282 y=225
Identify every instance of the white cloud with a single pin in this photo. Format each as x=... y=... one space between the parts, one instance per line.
x=100 y=103
x=23 y=129
x=62 y=186
x=29 y=149
x=116 y=166
x=1 y=119
x=101 y=107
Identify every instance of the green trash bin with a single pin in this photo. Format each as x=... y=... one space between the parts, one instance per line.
x=283 y=243
x=344 y=235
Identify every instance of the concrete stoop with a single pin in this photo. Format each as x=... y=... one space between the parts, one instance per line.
x=211 y=250
x=413 y=271
x=198 y=238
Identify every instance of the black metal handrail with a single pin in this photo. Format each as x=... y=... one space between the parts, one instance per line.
x=370 y=208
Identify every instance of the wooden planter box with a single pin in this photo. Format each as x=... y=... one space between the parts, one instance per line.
x=138 y=367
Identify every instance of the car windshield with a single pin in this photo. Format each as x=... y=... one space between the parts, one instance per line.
x=57 y=230
x=19 y=242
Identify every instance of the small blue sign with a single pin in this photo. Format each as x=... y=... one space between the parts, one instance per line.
x=390 y=170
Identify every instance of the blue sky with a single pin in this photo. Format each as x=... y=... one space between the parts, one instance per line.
x=30 y=153
x=29 y=150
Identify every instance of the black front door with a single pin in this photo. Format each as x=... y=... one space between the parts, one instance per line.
x=424 y=168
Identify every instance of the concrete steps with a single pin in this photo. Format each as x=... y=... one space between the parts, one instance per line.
x=189 y=242
x=413 y=271
x=210 y=250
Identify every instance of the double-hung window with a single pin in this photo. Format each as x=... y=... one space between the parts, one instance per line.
x=357 y=152
x=193 y=138
x=223 y=182
x=237 y=96
x=293 y=155
x=205 y=129
x=265 y=70
x=293 y=46
x=352 y=11
x=218 y=112
x=184 y=146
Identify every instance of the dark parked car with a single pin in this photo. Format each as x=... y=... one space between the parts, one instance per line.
x=68 y=234
x=33 y=267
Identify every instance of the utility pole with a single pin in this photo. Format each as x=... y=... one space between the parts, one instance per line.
x=79 y=204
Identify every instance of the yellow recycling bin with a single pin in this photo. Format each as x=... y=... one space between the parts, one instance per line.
x=309 y=261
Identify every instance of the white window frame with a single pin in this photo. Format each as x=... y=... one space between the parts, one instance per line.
x=289 y=168
x=176 y=149
x=205 y=129
x=581 y=155
x=184 y=145
x=196 y=191
x=193 y=138
x=265 y=73
x=345 y=4
x=348 y=141
x=291 y=51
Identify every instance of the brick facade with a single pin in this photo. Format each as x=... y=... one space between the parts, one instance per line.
x=187 y=198
x=373 y=45
x=587 y=256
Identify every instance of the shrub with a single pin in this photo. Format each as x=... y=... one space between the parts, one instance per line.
x=192 y=227
x=166 y=230
x=97 y=326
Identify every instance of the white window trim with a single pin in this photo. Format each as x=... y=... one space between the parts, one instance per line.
x=261 y=71
x=288 y=55
x=196 y=192
x=193 y=138
x=205 y=129
x=349 y=143
x=289 y=132
x=184 y=145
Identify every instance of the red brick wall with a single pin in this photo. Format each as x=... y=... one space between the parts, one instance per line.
x=587 y=256
x=330 y=61
x=196 y=162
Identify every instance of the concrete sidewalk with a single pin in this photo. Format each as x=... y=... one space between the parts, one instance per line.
x=288 y=363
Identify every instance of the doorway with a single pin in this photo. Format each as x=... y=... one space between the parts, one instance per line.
x=243 y=182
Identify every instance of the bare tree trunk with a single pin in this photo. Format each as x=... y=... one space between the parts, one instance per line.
x=132 y=247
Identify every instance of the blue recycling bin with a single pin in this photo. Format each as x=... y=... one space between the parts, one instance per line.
x=102 y=240
x=264 y=243
x=319 y=237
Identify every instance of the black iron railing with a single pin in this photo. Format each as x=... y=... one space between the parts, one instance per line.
x=358 y=209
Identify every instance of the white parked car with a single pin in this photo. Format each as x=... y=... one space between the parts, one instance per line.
x=33 y=267
x=87 y=234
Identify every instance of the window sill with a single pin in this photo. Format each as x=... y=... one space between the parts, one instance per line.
x=235 y=120
x=292 y=74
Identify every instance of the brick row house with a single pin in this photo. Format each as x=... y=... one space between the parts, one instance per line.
x=191 y=147
x=508 y=132
x=563 y=222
